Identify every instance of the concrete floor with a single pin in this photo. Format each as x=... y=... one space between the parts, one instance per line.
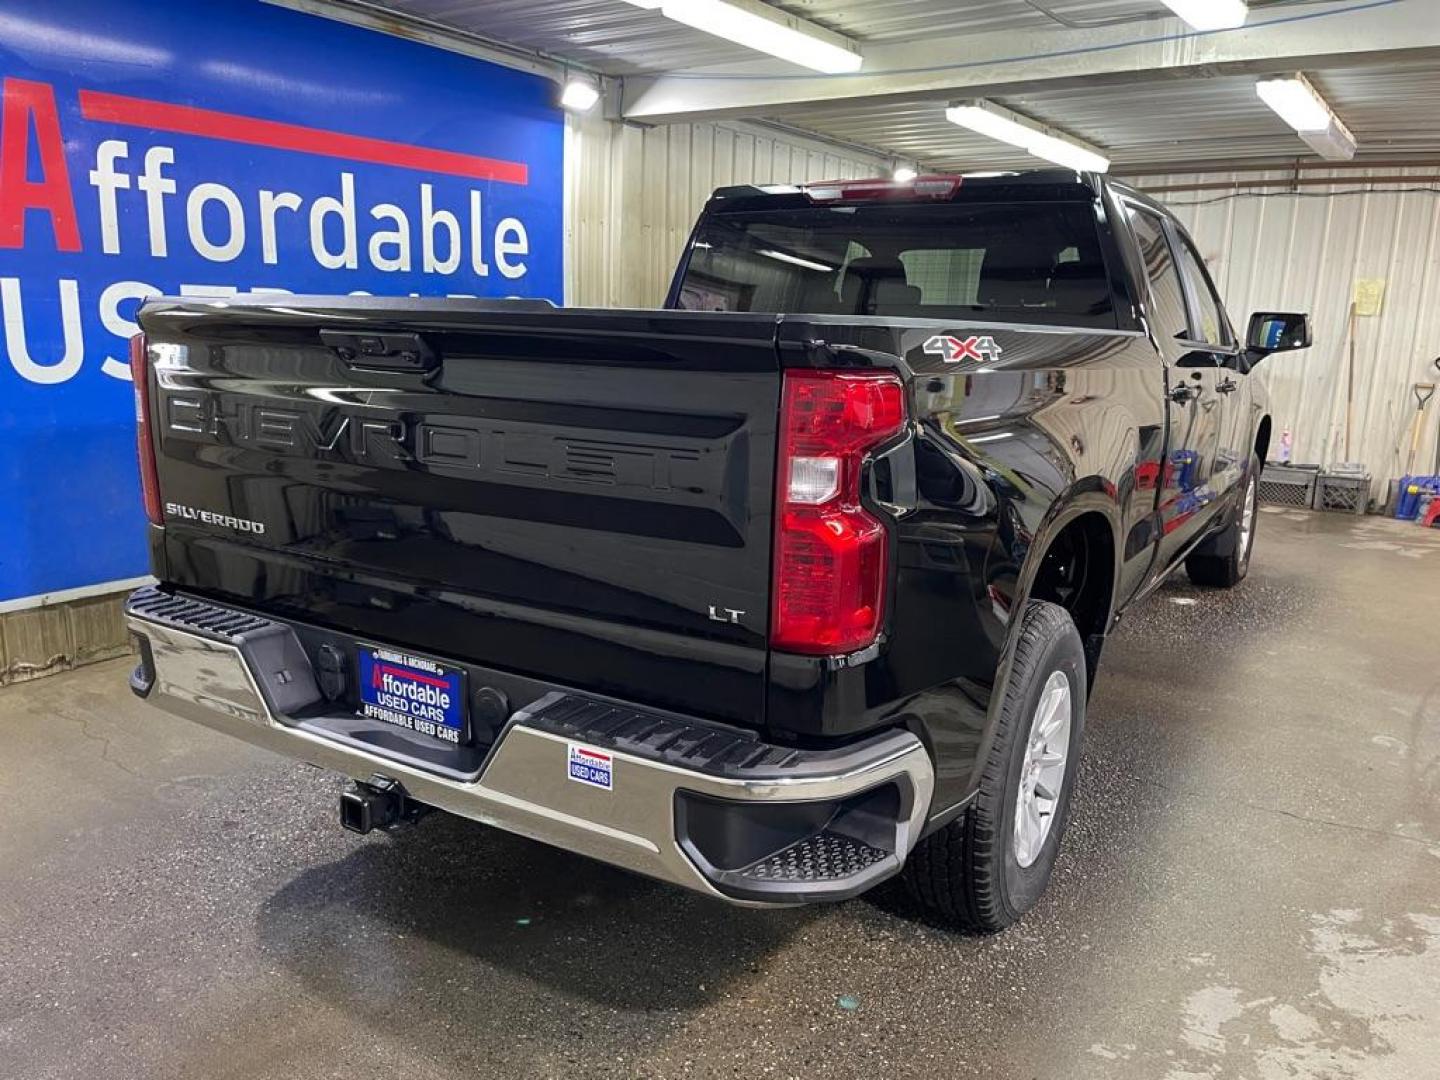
x=1250 y=888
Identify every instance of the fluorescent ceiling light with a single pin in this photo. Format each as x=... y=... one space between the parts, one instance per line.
x=1068 y=153
x=1007 y=126
x=580 y=95
x=1335 y=143
x=796 y=260
x=1298 y=103
x=766 y=29
x=1208 y=14
x=903 y=174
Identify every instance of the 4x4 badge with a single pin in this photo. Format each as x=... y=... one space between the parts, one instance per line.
x=954 y=350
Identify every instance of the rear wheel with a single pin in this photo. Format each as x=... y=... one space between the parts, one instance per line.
x=987 y=868
x=1223 y=561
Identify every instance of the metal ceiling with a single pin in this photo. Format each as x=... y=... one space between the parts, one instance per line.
x=1389 y=109
x=618 y=38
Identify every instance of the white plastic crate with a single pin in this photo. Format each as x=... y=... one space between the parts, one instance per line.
x=1288 y=485
x=1342 y=492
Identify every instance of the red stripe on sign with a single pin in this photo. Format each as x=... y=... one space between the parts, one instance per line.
x=187 y=120
x=431 y=679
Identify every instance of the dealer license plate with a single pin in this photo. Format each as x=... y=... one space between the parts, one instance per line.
x=412 y=692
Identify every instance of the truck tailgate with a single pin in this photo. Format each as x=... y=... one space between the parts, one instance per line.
x=580 y=495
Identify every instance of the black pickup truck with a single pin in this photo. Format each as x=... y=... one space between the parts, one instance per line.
x=795 y=584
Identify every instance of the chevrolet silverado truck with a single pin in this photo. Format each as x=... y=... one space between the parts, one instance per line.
x=793 y=585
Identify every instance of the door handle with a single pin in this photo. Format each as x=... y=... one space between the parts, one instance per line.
x=1229 y=386
x=1182 y=394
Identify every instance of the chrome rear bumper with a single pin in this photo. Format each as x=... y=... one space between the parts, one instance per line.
x=688 y=803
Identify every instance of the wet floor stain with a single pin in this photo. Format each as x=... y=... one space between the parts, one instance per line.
x=1369 y=1010
x=1371 y=1014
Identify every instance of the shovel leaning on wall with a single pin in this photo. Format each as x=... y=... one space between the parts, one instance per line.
x=1423 y=393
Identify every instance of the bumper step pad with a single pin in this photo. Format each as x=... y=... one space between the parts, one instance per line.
x=197 y=616
x=826 y=856
x=699 y=746
x=283 y=675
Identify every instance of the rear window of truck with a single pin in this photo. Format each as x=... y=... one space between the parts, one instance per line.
x=1009 y=262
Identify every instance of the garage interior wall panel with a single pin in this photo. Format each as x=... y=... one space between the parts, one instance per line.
x=1305 y=250
x=633 y=194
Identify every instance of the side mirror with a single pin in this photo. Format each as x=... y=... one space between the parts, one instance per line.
x=1276 y=331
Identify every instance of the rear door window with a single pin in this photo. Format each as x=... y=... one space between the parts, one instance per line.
x=1213 y=328
x=1168 y=314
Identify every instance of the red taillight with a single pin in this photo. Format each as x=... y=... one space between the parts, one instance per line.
x=149 y=478
x=830 y=552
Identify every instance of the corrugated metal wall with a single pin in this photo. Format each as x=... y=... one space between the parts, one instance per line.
x=632 y=195
x=1305 y=250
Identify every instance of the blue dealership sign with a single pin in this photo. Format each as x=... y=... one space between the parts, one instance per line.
x=159 y=146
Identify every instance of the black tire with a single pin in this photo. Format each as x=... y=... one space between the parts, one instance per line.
x=968 y=872
x=1223 y=561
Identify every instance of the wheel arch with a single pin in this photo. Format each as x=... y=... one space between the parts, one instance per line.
x=1083 y=525
x=1088 y=509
